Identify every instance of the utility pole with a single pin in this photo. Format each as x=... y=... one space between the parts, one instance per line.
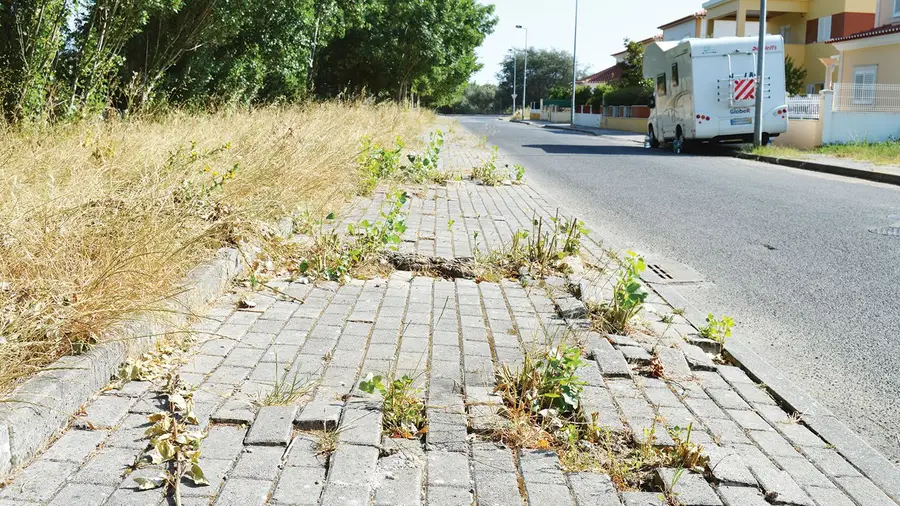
x=574 y=66
x=525 y=72
x=760 y=77
x=515 y=65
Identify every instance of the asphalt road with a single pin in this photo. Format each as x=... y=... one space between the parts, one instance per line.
x=785 y=252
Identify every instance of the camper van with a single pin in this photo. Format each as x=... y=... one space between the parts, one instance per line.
x=705 y=91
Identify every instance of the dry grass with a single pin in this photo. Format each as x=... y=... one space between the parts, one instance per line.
x=879 y=153
x=98 y=220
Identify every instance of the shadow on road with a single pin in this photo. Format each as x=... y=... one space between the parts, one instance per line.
x=574 y=149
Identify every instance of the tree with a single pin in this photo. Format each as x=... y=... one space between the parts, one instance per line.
x=476 y=99
x=582 y=93
x=547 y=68
x=632 y=67
x=794 y=76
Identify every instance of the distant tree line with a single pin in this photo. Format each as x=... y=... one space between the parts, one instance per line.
x=64 y=58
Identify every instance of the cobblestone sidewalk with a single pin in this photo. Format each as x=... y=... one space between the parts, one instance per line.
x=450 y=335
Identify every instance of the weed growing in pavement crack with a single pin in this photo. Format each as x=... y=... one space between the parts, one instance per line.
x=487 y=172
x=403 y=413
x=717 y=329
x=628 y=296
x=284 y=391
x=378 y=163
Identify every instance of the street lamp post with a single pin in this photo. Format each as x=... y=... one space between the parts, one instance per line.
x=515 y=66
x=525 y=72
x=760 y=84
x=574 y=68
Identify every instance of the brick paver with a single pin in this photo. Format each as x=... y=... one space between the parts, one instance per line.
x=449 y=335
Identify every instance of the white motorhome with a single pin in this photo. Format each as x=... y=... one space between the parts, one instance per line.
x=706 y=90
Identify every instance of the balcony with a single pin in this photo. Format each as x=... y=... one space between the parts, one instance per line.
x=742 y=11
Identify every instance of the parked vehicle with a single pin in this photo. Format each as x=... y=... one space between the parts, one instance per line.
x=706 y=90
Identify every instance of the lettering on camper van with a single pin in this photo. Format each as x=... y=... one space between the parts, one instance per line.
x=740 y=111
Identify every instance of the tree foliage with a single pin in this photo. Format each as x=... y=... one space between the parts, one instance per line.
x=794 y=76
x=631 y=88
x=547 y=68
x=582 y=93
x=62 y=58
x=476 y=99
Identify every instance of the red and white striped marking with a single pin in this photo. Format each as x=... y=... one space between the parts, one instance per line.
x=745 y=89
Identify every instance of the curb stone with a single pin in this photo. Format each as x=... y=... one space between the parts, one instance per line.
x=879 y=177
x=42 y=406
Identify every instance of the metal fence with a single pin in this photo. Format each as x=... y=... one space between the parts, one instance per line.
x=853 y=97
x=806 y=107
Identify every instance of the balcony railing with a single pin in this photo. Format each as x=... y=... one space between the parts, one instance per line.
x=808 y=107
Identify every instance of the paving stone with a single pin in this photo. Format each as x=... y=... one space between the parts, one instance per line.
x=772 y=443
x=754 y=393
x=548 y=494
x=272 y=426
x=864 y=492
x=236 y=410
x=223 y=442
x=593 y=489
x=361 y=426
x=106 y=467
x=643 y=499
x=727 y=466
x=741 y=496
x=696 y=357
x=691 y=489
x=243 y=357
x=322 y=413
x=105 y=411
x=497 y=488
x=449 y=496
x=244 y=492
x=749 y=420
x=448 y=469
x=726 y=432
x=831 y=462
x=79 y=494
x=38 y=482
x=673 y=362
x=610 y=361
x=782 y=485
x=662 y=397
x=727 y=399
x=346 y=495
x=799 y=435
x=804 y=473
x=228 y=375
x=446 y=431
x=540 y=466
x=352 y=465
x=215 y=471
x=75 y=445
x=828 y=497
x=299 y=486
x=710 y=379
x=258 y=462
x=706 y=409
x=635 y=354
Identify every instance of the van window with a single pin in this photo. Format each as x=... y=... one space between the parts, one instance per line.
x=675 y=74
x=661 y=85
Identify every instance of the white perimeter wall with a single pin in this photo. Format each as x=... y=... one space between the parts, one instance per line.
x=861 y=126
x=588 y=120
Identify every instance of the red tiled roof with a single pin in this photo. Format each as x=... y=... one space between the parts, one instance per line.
x=646 y=42
x=604 y=76
x=698 y=14
x=874 y=32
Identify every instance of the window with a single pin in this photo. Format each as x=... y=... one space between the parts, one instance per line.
x=675 y=74
x=786 y=32
x=896 y=8
x=661 y=85
x=864 y=84
x=824 y=29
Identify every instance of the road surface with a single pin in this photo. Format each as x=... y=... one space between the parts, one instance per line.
x=787 y=253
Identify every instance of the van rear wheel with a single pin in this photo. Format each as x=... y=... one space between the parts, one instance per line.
x=654 y=141
x=678 y=145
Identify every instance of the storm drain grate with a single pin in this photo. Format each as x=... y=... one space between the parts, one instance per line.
x=659 y=271
x=890 y=231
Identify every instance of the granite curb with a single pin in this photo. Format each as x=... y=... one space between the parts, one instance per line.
x=868 y=175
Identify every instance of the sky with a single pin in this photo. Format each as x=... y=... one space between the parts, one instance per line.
x=602 y=24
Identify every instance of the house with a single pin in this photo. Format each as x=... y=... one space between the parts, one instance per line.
x=872 y=57
x=610 y=74
x=695 y=26
x=807 y=26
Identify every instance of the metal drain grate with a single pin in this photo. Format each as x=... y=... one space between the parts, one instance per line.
x=890 y=231
x=659 y=271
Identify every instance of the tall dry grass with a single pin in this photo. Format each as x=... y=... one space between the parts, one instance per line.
x=101 y=220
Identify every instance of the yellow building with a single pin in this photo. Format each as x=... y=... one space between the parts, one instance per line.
x=872 y=57
x=806 y=25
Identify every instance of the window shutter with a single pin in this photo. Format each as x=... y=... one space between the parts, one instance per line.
x=896 y=8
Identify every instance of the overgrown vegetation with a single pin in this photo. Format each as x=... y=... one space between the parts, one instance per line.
x=488 y=172
x=63 y=59
x=285 y=390
x=101 y=220
x=379 y=163
x=540 y=251
x=717 y=329
x=879 y=153
x=403 y=413
x=615 y=316
x=542 y=408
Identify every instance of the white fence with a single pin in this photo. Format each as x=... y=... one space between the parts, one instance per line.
x=851 y=97
x=808 y=107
